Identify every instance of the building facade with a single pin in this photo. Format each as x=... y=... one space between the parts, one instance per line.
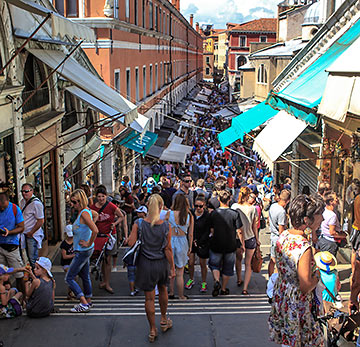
x=146 y=51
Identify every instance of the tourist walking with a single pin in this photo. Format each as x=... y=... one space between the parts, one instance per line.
x=85 y=231
x=155 y=260
x=249 y=219
x=291 y=320
x=182 y=230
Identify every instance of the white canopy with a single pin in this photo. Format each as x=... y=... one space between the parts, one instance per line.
x=225 y=112
x=197 y=104
x=60 y=26
x=87 y=81
x=176 y=152
x=280 y=133
x=201 y=97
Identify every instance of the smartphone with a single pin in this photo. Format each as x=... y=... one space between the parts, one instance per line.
x=2 y=232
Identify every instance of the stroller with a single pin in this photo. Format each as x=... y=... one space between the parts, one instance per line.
x=98 y=258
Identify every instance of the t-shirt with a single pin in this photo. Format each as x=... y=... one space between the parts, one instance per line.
x=189 y=196
x=69 y=248
x=330 y=218
x=106 y=218
x=32 y=213
x=225 y=222
x=247 y=214
x=267 y=181
x=277 y=216
x=128 y=200
x=9 y=221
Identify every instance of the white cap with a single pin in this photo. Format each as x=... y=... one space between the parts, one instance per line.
x=69 y=231
x=142 y=209
x=45 y=263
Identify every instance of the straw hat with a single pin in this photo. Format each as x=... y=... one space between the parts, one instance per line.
x=325 y=261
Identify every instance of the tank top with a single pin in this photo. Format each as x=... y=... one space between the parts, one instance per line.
x=81 y=232
x=153 y=239
x=176 y=226
x=41 y=302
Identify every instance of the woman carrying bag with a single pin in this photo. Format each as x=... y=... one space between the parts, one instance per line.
x=154 y=260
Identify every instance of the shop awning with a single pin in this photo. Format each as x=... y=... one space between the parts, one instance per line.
x=344 y=76
x=279 y=134
x=225 y=112
x=176 y=153
x=246 y=122
x=138 y=143
x=91 y=150
x=307 y=90
x=197 y=104
x=60 y=26
x=87 y=81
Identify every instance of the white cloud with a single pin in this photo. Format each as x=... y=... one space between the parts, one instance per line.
x=221 y=12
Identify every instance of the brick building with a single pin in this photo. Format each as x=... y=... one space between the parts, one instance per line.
x=145 y=49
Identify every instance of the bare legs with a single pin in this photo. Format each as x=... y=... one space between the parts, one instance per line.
x=248 y=271
x=271 y=266
x=225 y=279
x=106 y=270
x=239 y=257
x=203 y=267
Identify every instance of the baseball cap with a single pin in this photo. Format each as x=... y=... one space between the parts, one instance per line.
x=45 y=263
x=142 y=209
x=5 y=270
x=68 y=230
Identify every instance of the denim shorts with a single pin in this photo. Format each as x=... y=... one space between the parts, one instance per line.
x=250 y=243
x=222 y=261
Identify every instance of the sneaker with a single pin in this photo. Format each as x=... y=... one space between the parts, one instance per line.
x=133 y=293
x=216 y=289
x=203 y=288
x=225 y=292
x=189 y=284
x=80 y=308
x=90 y=304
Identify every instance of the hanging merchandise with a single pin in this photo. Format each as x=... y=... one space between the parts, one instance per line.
x=355 y=148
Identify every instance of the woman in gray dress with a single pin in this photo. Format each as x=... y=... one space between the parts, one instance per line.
x=154 y=261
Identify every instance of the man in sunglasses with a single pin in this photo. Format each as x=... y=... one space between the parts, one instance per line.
x=33 y=212
x=185 y=185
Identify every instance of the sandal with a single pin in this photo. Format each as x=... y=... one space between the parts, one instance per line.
x=185 y=298
x=245 y=292
x=239 y=283
x=225 y=292
x=153 y=335
x=165 y=326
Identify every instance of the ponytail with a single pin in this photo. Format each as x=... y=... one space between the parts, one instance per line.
x=155 y=204
x=244 y=195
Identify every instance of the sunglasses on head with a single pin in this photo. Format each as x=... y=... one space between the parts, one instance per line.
x=26 y=190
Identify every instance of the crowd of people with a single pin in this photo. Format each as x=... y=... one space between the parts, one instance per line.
x=212 y=208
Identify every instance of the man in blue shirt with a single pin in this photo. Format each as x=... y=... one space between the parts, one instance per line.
x=268 y=182
x=11 y=226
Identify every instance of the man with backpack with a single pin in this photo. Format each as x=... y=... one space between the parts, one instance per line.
x=11 y=225
x=33 y=213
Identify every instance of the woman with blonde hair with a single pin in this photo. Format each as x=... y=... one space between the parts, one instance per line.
x=85 y=231
x=182 y=229
x=249 y=218
x=153 y=262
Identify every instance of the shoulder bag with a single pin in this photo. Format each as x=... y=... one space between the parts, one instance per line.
x=132 y=254
x=257 y=260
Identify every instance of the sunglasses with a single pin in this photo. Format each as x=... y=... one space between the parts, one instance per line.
x=199 y=206
x=187 y=181
x=26 y=191
x=74 y=201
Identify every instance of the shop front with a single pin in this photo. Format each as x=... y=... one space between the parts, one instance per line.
x=7 y=164
x=41 y=172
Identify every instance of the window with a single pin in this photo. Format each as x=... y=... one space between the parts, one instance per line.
x=151 y=80
x=143 y=14
x=164 y=23
x=167 y=24
x=207 y=71
x=136 y=12
x=207 y=60
x=241 y=60
x=151 y=15
x=156 y=78
x=34 y=75
x=128 y=84
x=262 y=74
x=117 y=80
x=161 y=75
x=116 y=8
x=242 y=41
x=70 y=117
x=164 y=73
x=144 y=82
x=156 y=19
x=68 y=8
x=127 y=9
x=137 y=98
x=263 y=38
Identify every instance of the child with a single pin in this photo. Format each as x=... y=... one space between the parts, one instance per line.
x=10 y=300
x=67 y=254
x=40 y=292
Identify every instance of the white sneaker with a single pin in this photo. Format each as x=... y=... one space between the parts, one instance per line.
x=156 y=291
x=80 y=308
x=114 y=269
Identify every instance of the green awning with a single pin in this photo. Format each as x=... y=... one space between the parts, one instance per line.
x=246 y=122
x=138 y=143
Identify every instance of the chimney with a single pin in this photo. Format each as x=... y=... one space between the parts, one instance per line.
x=197 y=27
x=176 y=4
x=192 y=20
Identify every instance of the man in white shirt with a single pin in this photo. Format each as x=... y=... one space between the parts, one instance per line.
x=33 y=213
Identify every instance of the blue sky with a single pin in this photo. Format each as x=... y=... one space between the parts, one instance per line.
x=219 y=12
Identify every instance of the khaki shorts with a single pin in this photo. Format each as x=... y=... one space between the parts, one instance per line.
x=12 y=259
